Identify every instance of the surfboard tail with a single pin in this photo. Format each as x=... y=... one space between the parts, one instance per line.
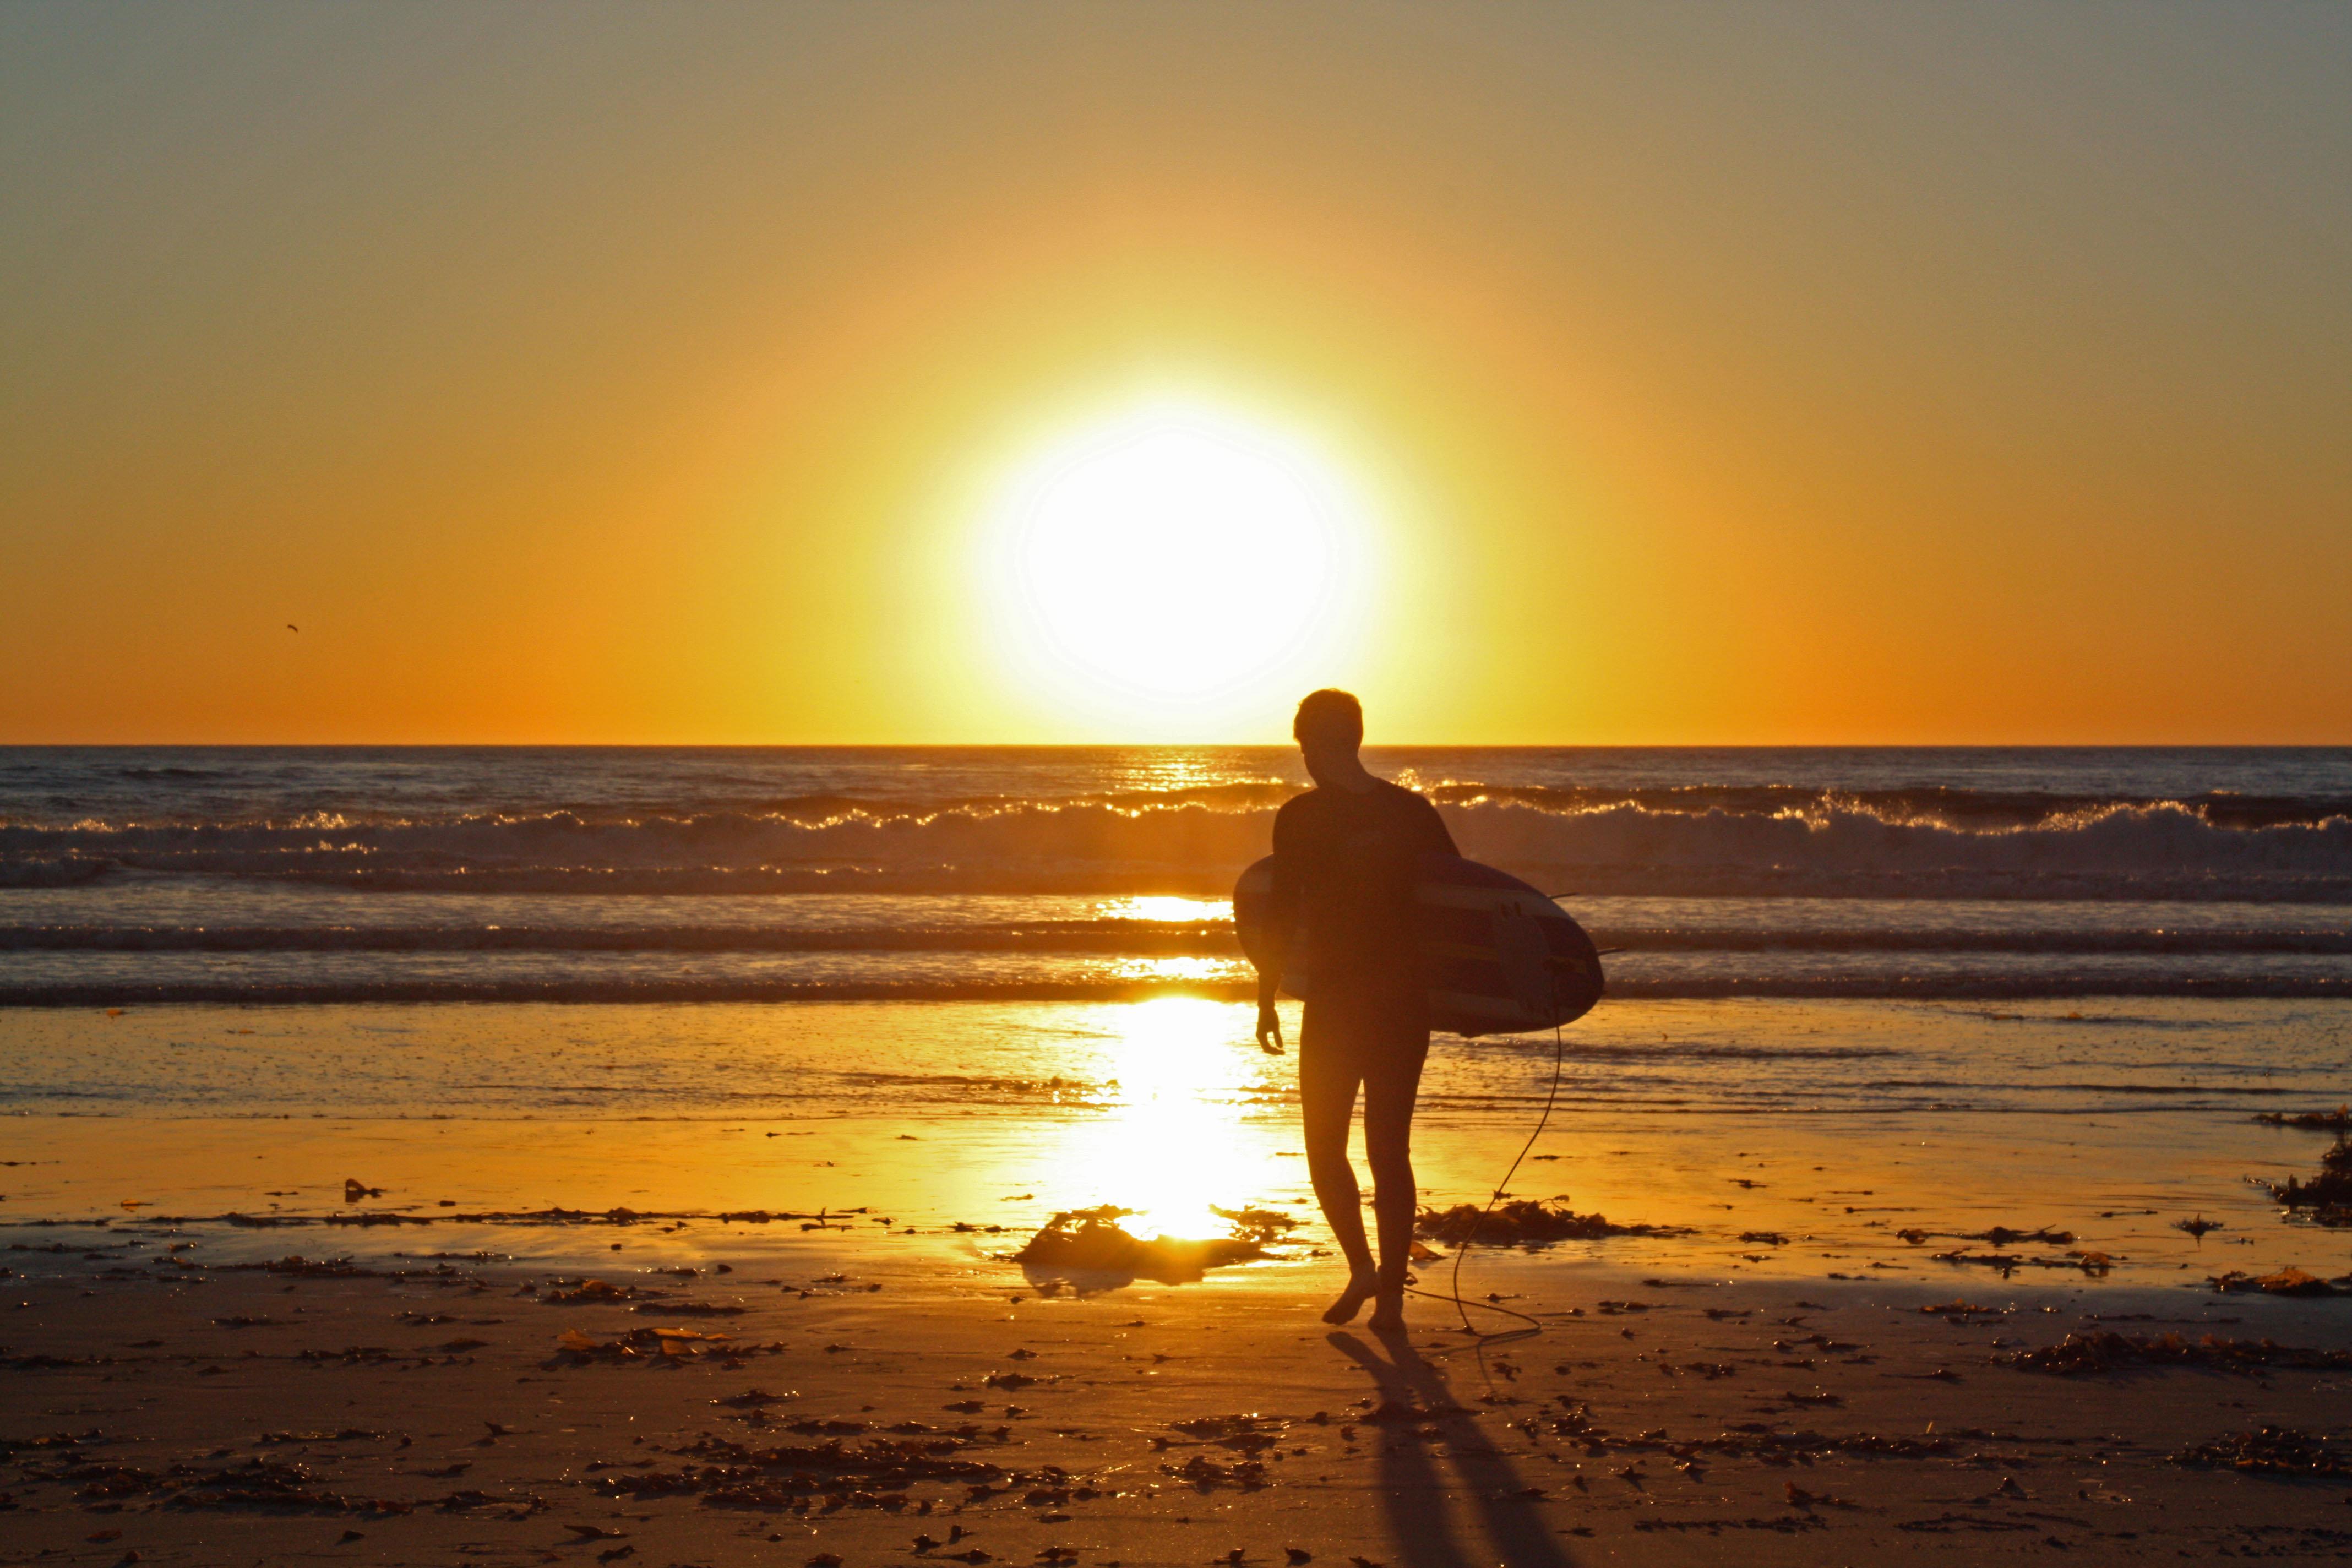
x=1503 y=958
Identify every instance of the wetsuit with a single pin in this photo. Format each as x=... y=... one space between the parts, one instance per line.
x=1345 y=864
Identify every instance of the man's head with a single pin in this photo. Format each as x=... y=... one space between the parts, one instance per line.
x=1329 y=728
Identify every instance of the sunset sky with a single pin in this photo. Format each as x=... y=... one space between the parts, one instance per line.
x=1546 y=373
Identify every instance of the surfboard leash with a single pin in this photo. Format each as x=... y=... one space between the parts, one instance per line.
x=1461 y=1307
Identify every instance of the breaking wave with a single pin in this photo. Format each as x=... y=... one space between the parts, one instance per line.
x=1208 y=939
x=1703 y=842
x=1985 y=987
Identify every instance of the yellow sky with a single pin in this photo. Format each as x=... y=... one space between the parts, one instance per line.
x=1716 y=374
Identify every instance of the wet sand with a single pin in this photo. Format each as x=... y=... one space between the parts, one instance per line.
x=860 y=1404
x=1812 y=1359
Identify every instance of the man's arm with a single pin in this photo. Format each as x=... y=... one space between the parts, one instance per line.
x=1440 y=840
x=1281 y=928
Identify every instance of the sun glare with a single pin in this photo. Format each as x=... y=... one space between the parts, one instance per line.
x=1177 y=570
x=1181 y=1144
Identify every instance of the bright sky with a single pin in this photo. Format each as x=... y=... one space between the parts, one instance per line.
x=1548 y=373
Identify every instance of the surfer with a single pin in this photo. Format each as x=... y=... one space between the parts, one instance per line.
x=1344 y=862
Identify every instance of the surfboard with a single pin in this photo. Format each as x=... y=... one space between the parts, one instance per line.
x=1503 y=957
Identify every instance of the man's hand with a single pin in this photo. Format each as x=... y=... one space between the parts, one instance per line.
x=1269 y=1029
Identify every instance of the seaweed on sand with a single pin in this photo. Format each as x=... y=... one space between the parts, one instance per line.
x=2328 y=1195
x=2287 y=1281
x=2338 y=1120
x=1205 y=1475
x=1746 y=1441
x=1525 y=1223
x=574 y=1347
x=2009 y=1263
x=2102 y=1350
x=2269 y=1451
x=576 y=1292
x=1999 y=1236
x=1092 y=1241
x=875 y=1473
x=267 y=1485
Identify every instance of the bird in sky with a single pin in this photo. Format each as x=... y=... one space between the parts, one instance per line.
x=292 y=627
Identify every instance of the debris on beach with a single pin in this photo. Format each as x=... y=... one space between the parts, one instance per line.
x=1525 y=1223
x=2288 y=1282
x=1269 y=1223
x=2009 y=1263
x=1092 y=1241
x=1249 y=1434
x=875 y=1473
x=1206 y=1475
x=2268 y=1451
x=1746 y=1439
x=836 y=1219
x=575 y=1292
x=270 y=1486
x=1999 y=1236
x=2328 y=1195
x=2338 y=1120
x=580 y=1348
x=2102 y=1350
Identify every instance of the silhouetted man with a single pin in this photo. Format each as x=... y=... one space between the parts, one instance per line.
x=1346 y=855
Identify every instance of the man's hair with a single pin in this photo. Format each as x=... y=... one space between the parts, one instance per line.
x=1330 y=712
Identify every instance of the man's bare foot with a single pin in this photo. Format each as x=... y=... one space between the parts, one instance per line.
x=1390 y=1313
x=1351 y=1300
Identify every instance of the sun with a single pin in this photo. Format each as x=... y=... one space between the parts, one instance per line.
x=1177 y=569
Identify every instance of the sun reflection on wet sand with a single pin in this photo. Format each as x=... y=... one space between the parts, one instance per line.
x=1179 y=1140
x=968 y=1125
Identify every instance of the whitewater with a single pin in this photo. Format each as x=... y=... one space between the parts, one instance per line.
x=324 y=875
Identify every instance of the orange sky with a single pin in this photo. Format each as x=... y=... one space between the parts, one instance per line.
x=1810 y=374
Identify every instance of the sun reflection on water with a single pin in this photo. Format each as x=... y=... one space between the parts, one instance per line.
x=1180 y=1140
x=1165 y=907
x=1175 y=971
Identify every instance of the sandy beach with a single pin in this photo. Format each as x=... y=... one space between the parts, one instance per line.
x=838 y=1400
x=804 y=1334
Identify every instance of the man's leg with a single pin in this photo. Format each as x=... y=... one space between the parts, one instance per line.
x=1328 y=1075
x=1392 y=1087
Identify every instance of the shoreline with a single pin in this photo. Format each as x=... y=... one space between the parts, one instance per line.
x=73 y=997
x=1786 y=1369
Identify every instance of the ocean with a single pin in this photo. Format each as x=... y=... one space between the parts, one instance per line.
x=1990 y=987
x=604 y=875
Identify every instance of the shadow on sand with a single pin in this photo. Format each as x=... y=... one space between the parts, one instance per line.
x=1422 y=1507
